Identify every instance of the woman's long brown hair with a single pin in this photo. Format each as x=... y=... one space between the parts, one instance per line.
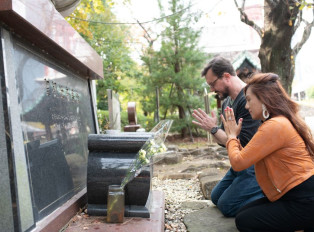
x=269 y=91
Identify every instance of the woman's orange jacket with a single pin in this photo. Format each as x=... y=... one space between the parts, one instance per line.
x=279 y=154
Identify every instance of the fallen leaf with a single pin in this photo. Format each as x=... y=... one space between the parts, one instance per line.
x=168 y=227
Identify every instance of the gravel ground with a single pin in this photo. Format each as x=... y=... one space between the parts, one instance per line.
x=176 y=192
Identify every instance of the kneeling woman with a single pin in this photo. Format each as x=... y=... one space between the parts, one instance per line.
x=282 y=151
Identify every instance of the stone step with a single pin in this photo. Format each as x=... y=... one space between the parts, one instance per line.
x=209 y=219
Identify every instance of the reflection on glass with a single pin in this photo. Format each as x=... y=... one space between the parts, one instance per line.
x=56 y=118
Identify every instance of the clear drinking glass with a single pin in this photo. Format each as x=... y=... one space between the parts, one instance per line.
x=115 y=204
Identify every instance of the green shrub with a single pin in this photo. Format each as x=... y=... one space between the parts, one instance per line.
x=103 y=120
x=147 y=122
x=310 y=92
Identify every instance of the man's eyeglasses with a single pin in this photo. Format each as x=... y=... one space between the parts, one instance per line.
x=212 y=84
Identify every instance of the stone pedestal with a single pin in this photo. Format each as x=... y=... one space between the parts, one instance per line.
x=133 y=126
x=110 y=157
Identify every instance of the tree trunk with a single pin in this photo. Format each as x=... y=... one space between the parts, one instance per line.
x=181 y=109
x=182 y=116
x=275 y=52
x=177 y=69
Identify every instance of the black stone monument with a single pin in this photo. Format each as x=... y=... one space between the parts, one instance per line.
x=109 y=158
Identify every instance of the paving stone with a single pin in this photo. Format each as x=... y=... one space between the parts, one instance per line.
x=207 y=183
x=177 y=176
x=172 y=147
x=185 y=153
x=195 y=168
x=220 y=165
x=219 y=156
x=196 y=205
x=183 y=150
x=196 y=152
x=209 y=150
x=209 y=219
x=159 y=159
x=173 y=158
x=222 y=151
x=211 y=172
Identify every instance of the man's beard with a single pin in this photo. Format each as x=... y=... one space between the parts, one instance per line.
x=223 y=94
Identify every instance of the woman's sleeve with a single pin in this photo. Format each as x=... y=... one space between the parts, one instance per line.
x=269 y=138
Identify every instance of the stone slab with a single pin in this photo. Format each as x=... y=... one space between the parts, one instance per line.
x=114 y=110
x=209 y=179
x=131 y=224
x=196 y=205
x=209 y=219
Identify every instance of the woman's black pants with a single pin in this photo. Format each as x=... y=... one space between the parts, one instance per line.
x=282 y=215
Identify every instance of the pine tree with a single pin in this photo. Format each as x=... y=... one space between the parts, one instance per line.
x=175 y=68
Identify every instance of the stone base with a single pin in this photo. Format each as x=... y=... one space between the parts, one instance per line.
x=129 y=210
x=61 y=216
x=131 y=128
x=131 y=224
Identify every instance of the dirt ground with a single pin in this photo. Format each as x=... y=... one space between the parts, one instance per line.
x=186 y=142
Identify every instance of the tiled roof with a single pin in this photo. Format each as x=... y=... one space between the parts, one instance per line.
x=237 y=57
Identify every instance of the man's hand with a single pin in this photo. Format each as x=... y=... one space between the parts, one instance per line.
x=203 y=120
x=232 y=129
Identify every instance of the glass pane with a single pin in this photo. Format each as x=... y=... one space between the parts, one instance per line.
x=56 y=117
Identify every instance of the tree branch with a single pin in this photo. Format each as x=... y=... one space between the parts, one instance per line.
x=306 y=35
x=298 y=23
x=272 y=3
x=244 y=18
x=146 y=36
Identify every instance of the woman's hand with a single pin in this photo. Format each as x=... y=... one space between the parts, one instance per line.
x=232 y=129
